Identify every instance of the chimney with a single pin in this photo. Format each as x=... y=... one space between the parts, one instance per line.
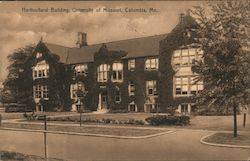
x=181 y=17
x=81 y=39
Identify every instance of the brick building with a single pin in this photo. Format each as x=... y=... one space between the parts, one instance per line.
x=148 y=74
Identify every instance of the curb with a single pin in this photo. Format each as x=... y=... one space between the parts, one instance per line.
x=221 y=145
x=89 y=134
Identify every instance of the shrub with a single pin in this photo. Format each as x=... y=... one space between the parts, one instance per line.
x=168 y=120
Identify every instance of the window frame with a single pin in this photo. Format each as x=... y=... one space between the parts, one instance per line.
x=131 y=64
x=131 y=88
x=41 y=91
x=188 y=84
x=151 y=85
x=151 y=64
x=103 y=72
x=117 y=72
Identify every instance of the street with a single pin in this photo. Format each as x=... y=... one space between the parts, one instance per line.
x=181 y=145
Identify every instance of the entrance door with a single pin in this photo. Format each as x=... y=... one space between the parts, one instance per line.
x=104 y=101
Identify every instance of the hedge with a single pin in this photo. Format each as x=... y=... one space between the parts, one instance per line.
x=168 y=120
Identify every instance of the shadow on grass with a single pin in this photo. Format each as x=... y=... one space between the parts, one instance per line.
x=229 y=139
x=14 y=156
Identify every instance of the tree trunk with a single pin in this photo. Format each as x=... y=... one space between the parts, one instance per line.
x=235 y=120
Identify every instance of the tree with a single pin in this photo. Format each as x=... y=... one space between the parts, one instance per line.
x=223 y=33
x=17 y=85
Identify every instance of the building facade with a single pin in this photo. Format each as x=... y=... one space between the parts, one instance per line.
x=149 y=74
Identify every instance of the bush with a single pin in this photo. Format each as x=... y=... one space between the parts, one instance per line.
x=168 y=120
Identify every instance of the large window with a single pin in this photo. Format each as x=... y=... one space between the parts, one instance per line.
x=187 y=85
x=102 y=72
x=76 y=90
x=41 y=91
x=185 y=57
x=151 y=88
x=117 y=75
x=131 y=64
x=131 y=88
x=81 y=69
x=152 y=64
x=41 y=70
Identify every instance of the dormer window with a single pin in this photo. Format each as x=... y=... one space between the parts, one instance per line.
x=81 y=69
x=39 y=55
x=152 y=64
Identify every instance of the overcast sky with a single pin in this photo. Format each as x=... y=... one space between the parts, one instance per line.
x=22 y=28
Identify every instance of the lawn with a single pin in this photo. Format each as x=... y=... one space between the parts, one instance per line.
x=14 y=156
x=218 y=123
x=228 y=138
x=92 y=130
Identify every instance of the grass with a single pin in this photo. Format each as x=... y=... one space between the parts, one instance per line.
x=228 y=138
x=93 y=130
x=218 y=123
x=14 y=156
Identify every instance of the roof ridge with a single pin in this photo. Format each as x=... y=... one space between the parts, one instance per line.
x=108 y=42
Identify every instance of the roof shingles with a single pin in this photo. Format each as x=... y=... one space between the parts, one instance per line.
x=138 y=47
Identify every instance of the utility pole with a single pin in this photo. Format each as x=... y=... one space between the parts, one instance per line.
x=45 y=138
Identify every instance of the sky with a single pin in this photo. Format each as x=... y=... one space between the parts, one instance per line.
x=19 y=28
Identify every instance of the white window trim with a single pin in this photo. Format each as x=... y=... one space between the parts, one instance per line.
x=132 y=103
x=74 y=87
x=103 y=69
x=81 y=69
x=189 y=85
x=153 y=64
x=43 y=90
x=154 y=88
x=117 y=72
x=131 y=65
x=40 y=68
x=197 y=56
x=130 y=93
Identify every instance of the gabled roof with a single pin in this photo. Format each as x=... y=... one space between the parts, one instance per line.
x=137 y=47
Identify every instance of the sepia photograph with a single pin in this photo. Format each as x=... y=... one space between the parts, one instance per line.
x=125 y=80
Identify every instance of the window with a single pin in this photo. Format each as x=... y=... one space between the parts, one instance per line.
x=185 y=57
x=196 y=85
x=131 y=64
x=81 y=69
x=131 y=88
x=41 y=91
x=132 y=107
x=187 y=85
x=184 y=108
x=41 y=70
x=117 y=75
x=151 y=88
x=117 y=96
x=74 y=88
x=102 y=72
x=151 y=64
x=39 y=55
